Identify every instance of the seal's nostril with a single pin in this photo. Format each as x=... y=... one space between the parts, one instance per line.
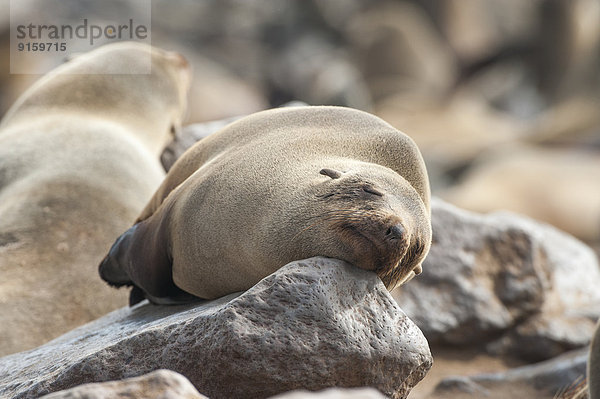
x=395 y=232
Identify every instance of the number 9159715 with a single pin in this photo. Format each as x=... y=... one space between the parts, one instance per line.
x=34 y=46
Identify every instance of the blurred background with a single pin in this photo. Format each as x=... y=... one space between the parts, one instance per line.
x=502 y=96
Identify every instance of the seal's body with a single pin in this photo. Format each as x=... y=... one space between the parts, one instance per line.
x=274 y=187
x=78 y=161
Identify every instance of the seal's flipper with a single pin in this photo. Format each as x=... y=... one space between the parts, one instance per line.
x=140 y=258
x=136 y=295
x=111 y=268
x=180 y=298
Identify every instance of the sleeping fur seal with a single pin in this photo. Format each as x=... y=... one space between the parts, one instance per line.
x=273 y=187
x=78 y=161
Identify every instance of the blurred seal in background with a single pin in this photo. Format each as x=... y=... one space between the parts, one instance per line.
x=79 y=158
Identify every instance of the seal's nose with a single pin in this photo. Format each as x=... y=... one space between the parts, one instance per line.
x=395 y=232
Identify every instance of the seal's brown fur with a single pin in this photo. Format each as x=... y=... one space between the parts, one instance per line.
x=78 y=161
x=274 y=187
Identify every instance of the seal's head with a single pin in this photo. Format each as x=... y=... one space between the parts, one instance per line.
x=150 y=100
x=371 y=217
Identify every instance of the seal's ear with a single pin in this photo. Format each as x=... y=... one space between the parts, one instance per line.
x=334 y=174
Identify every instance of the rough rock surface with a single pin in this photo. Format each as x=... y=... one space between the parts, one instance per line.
x=167 y=384
x=312 y=324
x=519 y=286
x=163 y=384
x=544 y=379
x=333 y=393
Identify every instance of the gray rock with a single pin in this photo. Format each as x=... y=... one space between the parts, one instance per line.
x=333 y=393
x=338 y=13
x=545 y=378
x=461 y=384
x=167 y=384
x=543 y=336
x=319 y=72
x=503 y=275
x=164 y=384
x=312 y=324
x=188 y=136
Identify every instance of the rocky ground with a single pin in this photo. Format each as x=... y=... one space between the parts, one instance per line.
x=513 y=327
x=502 y=98
x=312 y=324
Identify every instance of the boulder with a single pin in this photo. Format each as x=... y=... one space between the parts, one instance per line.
x=333 y=393
x=543 y=380
x=338 y=13
x=188 y=136
x=545 y=335
x=318 y=72
x=502 y=280
x=164 y=384
x=516 y=100
x=313 y=324
x=167 y=384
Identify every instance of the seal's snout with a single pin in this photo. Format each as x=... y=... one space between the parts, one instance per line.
x=395 y=232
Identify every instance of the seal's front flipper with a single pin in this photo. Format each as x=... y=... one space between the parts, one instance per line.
x=180 y=298
x=112 y=269
x=140 y=258
x=136 y=295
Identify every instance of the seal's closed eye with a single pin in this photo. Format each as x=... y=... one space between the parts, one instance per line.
x=372 y=190
x=334 y=174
